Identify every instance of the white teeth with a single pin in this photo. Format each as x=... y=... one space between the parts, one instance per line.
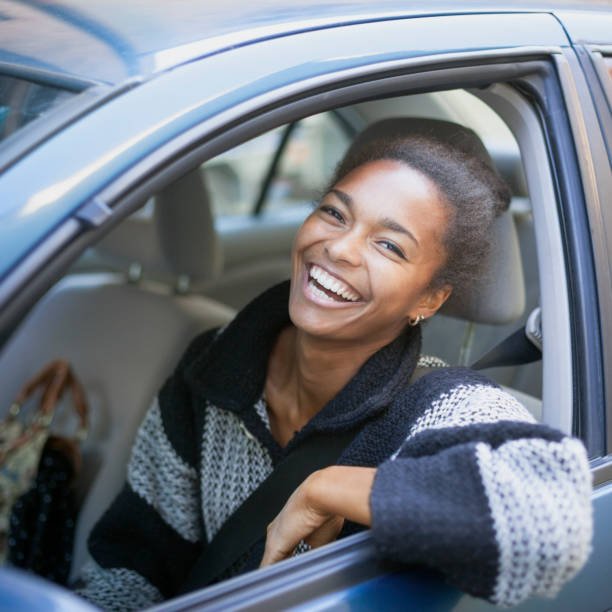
x=320 y=293
x=332 y=284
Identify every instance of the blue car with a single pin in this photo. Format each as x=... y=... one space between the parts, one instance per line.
x=157 y=158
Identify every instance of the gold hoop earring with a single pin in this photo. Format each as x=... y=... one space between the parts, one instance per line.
x=414 y=322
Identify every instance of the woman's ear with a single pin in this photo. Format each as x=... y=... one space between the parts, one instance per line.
x=431 y=302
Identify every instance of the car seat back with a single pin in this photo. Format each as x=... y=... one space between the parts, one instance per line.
x=123 y=338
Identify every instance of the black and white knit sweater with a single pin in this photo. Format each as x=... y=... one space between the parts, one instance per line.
x=467 y=482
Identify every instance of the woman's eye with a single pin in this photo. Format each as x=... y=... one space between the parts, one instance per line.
x=332 y=212
x=393 y=248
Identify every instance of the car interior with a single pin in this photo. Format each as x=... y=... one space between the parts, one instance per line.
x=205 y=245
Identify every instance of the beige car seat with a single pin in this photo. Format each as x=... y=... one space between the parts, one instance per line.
x=123 y=333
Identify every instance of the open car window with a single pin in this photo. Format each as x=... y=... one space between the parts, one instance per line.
x=314 y=146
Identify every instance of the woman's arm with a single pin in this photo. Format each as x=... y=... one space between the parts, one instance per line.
x=317 y=509
x=501 y=509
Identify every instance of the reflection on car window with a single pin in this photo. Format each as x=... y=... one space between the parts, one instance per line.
x=22 y=101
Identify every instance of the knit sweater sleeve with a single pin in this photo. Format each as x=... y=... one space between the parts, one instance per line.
x=145 y=543
x=499 y=504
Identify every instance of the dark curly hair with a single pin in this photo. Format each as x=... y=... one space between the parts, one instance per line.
x=469 y=186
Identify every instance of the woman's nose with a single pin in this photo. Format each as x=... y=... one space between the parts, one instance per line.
x=347 y=247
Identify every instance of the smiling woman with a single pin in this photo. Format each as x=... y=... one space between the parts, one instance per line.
x=448 y=470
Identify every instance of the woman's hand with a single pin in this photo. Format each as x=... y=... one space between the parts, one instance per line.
x=316 y=510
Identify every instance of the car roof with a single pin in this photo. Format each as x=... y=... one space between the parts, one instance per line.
x=111 y=41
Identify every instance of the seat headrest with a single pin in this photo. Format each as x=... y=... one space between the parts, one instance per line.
x=498 y=297
x=178 y=240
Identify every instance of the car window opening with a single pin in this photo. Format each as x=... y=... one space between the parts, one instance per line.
x=203 y=247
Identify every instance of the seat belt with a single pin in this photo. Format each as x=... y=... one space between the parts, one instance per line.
x=248 y=524
x=521 y=347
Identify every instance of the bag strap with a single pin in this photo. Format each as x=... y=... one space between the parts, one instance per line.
x=55 y=378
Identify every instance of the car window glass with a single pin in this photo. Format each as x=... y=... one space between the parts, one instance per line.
x=315 y=147
x=235 y=179
x=22 y=101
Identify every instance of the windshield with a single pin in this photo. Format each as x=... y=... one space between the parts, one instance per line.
x=23 y=101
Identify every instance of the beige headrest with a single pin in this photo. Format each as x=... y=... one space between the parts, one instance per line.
x=179 y=240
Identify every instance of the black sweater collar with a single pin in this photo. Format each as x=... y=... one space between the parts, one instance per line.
x=231 y=373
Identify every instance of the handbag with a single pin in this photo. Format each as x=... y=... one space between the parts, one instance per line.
x=37 y=474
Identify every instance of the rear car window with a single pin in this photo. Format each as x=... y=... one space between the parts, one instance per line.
x=22 y=101
x=307 y=159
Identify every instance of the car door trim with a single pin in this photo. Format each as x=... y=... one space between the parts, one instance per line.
x=343 y=563
x=558 y=387
x=343 y=81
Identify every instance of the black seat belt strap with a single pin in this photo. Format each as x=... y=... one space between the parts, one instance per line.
x=521 y=347
x=249 y=523
x=516 y=349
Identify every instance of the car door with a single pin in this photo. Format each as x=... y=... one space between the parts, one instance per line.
x=520 y=64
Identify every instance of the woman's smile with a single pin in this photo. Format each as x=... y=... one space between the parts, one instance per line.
x=328 y=289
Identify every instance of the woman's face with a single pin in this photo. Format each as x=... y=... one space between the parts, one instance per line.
x=363 y=261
